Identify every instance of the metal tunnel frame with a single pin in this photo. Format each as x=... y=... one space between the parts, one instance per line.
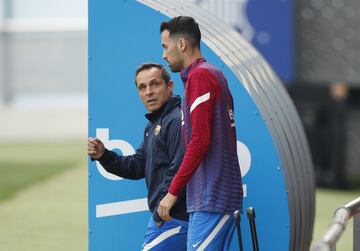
x=274 y=104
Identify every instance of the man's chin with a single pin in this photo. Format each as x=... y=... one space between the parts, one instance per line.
x=152 y=109
x=174 y=69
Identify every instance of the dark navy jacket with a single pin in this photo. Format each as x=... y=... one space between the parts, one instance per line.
x=157 y=159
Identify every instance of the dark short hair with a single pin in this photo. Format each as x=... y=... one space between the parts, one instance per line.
x=145 y=66
x=183 y=26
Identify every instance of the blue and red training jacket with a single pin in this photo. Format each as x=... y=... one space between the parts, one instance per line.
x=210 y=168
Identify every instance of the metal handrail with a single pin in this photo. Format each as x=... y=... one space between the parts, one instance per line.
x=337 y=227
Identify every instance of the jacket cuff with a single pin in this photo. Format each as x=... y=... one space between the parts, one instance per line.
x=173 y=191
x=103 y=157
x=156 y=216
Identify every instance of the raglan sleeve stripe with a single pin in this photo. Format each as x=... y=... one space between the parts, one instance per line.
x=199 y=100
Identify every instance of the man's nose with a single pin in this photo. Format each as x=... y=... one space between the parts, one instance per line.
x=148 y=91
x=164 y=55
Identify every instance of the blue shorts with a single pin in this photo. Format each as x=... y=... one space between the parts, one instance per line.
x=210 y=231
x=172 y=235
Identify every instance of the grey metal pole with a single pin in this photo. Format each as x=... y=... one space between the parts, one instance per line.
x=338 y=225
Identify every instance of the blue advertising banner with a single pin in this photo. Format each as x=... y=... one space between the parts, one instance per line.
x=274 y=28
x=122 y=35
x=267 y=24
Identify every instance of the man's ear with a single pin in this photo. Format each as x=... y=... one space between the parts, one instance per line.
x=181 y=44
x=171 y=85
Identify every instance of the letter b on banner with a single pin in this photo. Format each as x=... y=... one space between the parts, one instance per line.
x=122 y=145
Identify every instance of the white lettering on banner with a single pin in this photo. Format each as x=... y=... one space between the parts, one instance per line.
x=139 y=205
x=122 y=207
x=244 y=190
x=122 y=145
x=244 y=157
x=243 y=152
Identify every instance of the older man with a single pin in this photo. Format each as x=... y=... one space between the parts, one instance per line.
x=157 y=159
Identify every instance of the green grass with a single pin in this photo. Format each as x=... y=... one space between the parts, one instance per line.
x=43 y=196
x=49 y=215
x=22 y=165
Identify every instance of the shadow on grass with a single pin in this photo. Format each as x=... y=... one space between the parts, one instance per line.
x=15 y=177
x=24 y=164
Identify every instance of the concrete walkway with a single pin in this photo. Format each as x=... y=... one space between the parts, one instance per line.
x=42 y=124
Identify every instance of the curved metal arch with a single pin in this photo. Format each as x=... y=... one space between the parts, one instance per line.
x=274 y=105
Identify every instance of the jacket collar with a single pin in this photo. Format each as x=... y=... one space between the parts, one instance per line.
x=169 y=105
x=184 y=74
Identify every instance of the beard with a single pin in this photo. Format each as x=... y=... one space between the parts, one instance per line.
x=175 y=67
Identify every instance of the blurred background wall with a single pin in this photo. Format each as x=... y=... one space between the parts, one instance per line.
x=327 y=86
x=43 y=66
x=328 y=35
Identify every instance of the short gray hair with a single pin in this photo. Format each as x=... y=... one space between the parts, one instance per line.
x=145 y=66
